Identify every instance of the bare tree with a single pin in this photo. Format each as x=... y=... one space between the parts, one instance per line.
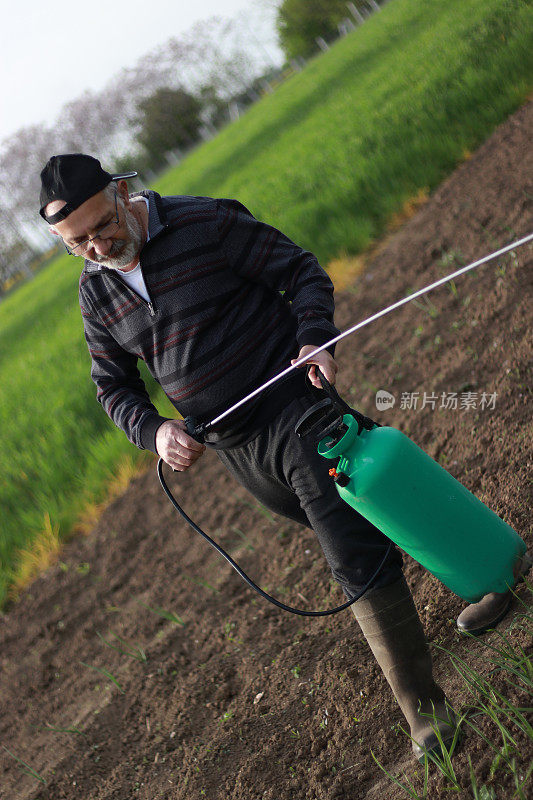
x=216 y=60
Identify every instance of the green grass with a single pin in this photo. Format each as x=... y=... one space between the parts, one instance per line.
x=328 y=158
x=392 y=108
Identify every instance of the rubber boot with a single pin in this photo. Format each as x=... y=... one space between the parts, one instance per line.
x=491 y=609
x=392 y=628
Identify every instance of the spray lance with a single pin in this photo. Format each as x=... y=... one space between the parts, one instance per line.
x=400 y=489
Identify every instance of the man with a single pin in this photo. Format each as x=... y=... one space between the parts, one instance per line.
x=216 y=302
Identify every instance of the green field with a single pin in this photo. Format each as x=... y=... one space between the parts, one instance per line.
x=328 y=158
x=335 y=151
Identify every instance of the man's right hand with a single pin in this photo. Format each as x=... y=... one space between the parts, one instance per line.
x=176 y=447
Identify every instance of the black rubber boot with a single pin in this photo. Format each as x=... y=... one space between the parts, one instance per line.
x=392 y=628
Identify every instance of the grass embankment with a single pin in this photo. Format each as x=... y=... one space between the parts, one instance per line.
x=329 y=158
x=336 y=151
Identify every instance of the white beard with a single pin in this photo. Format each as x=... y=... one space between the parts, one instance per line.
x=124 y=251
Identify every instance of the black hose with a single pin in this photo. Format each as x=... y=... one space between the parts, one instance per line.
x=245 y=577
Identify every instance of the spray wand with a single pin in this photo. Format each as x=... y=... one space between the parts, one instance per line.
x=201 y=429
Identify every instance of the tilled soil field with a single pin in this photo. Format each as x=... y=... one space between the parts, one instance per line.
x=217 y=694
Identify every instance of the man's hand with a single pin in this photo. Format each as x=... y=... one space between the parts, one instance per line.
x=323 y=360
x=175 y=446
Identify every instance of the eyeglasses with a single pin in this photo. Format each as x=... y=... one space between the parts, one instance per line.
x=105 y=232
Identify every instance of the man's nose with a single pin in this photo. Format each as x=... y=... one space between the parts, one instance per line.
x=102 y=246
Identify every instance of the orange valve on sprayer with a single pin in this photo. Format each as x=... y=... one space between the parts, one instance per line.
x=339 y=477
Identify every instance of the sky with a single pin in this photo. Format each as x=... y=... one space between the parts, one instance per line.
x=51 y=53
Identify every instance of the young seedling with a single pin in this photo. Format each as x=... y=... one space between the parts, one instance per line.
x=452 y=287
x=56 y=729
x=409 y=789
x=228 y=628
x=451 y=258
x=243 y=537
x=123 y=647
x=262 y=510
x=200 y=582
x=107 y=674
x=483 y=792
x=161 y=612
x=427 y=306
x=26 y=769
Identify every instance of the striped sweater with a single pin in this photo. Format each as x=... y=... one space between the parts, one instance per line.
x=231 y=302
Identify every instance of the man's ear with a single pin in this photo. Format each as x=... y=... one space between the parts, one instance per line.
x=122 y=189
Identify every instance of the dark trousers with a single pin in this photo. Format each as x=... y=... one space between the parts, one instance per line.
x=287 y=475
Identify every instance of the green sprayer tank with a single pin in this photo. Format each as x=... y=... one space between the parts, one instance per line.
x=388 y=479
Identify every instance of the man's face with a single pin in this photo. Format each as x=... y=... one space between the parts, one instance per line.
x=121 y=243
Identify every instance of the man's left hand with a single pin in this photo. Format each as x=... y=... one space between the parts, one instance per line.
x=323 y=361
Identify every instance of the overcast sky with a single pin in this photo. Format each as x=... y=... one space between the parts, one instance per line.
x=51 y=52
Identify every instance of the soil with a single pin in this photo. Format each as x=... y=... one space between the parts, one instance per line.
x=236 y=698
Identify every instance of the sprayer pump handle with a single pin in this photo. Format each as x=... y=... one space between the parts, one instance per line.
x=195 y=429
x=327 y=387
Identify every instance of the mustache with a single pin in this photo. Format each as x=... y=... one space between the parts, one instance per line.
x=116 y=248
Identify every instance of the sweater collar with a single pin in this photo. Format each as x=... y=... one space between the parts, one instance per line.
x=157 y=222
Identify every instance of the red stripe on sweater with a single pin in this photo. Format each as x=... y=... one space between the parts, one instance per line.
x=191 y=216
x=201 y=270
x=263 y=255
x=225 y=366
x=113 y=317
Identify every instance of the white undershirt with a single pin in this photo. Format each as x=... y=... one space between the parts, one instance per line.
x=134 y=277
